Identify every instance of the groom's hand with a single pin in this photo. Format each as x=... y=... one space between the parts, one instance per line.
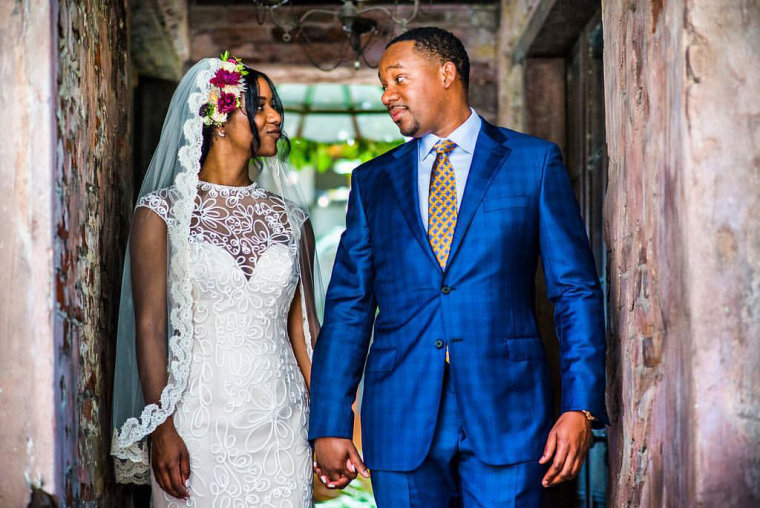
x=337 y=461
x=568 y=442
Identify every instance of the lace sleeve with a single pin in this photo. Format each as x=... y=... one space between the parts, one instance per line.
x=159 y=202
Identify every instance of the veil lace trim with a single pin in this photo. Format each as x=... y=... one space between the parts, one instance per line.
x=129 y=445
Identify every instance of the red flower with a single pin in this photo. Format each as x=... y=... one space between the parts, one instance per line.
x=227 y=103
x=223 y=78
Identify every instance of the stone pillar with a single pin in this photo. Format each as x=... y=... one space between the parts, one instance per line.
x=158 y=39
x=682 y=207
x=27 y=154
x=514 y=17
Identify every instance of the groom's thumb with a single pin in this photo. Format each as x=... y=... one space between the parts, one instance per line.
x=353 y=455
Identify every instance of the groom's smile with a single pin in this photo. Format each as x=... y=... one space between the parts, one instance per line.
x=396 y=112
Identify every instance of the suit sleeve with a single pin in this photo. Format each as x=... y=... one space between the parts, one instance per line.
x=573 y=287
x=341 y=348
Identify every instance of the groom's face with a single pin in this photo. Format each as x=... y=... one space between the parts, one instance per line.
x=414 y=91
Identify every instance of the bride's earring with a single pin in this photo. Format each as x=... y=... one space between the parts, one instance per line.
x=221 y=134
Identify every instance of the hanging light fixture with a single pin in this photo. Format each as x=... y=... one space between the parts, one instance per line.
x=352 y=16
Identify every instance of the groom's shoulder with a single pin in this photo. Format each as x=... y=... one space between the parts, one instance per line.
x=523 y=141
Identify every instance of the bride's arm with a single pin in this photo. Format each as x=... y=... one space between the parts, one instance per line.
x=148 y=258
x=304 y=299
x=297 y=337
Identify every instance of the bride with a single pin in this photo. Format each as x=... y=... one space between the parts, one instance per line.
x=217 y=317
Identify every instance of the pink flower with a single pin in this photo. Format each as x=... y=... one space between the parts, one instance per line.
x=227 y=103
x=224 y=77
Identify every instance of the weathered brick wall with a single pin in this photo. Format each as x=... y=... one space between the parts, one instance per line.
x=236 y=28
x=682 y=212
x=92 y=204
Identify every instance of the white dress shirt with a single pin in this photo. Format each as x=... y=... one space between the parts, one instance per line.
x=465 y=136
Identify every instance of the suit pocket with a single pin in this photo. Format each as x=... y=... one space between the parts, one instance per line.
x=524 y=349
x=492 y=204
x=381 y=359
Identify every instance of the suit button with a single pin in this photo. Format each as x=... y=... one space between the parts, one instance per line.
x=445 y=290
x=438 y=344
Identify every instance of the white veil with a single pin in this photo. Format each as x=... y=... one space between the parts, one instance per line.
x=176 y=163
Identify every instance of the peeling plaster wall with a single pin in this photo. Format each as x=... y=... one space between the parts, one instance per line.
x=682 y=207
x=27 y=153
x=92 y=200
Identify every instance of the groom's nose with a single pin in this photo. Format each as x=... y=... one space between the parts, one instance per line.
x=389 y=96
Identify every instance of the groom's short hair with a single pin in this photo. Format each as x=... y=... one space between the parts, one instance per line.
x=441 y=45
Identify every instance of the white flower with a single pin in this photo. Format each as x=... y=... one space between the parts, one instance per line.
x=213 y=96
x=233 y=89
x=228 y=66
x=219 y=117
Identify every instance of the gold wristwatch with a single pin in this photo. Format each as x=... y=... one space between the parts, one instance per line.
x=588 y=415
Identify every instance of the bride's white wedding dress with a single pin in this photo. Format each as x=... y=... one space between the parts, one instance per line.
x=244 y=413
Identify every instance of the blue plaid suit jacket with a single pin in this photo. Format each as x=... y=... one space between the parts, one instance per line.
x=518 y=204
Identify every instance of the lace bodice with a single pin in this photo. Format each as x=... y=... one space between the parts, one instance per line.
x=244 y=221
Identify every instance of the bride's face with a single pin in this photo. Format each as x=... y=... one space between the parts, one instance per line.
x=267 y=121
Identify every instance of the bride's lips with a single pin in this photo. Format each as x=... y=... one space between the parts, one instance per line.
x=274 y=134
x=396 y=112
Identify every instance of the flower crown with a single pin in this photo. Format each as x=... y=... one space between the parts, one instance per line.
x=226 y=91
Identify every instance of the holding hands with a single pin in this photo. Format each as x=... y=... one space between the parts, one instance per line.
x=337 y=462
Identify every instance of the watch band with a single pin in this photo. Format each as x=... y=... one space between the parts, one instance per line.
x=588 y=415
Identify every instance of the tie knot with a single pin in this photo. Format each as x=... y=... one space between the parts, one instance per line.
x=444 y=146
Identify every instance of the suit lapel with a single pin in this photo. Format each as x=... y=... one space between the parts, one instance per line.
x=403 y=175
x=490 y=154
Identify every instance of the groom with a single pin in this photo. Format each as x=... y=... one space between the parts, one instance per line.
x=439 y=256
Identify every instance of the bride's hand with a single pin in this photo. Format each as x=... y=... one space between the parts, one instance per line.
x=337 y=462
x=170 y=460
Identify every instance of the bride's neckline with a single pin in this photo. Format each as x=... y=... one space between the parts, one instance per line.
x=206 y=185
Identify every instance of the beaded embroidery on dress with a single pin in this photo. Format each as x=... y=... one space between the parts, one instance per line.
x=244 y=412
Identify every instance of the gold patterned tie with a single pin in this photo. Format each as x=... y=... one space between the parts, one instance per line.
x=442 y=202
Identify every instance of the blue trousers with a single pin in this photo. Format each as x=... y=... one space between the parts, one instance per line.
x=452 y=476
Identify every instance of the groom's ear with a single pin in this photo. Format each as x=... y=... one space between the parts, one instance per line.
x=449 y=74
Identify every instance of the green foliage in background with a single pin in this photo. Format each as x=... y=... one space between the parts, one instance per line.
x=358 y=494
x=322 y=155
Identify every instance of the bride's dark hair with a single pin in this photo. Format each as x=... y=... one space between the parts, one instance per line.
x=251 y=104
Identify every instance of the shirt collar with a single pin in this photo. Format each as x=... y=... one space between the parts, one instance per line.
x=465 y=136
